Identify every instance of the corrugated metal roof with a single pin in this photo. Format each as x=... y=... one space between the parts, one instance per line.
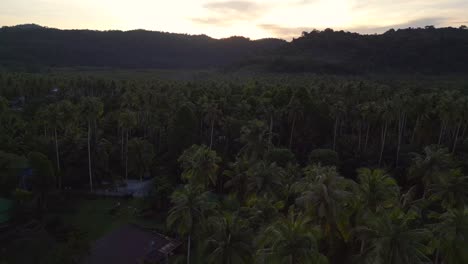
x=130 y=244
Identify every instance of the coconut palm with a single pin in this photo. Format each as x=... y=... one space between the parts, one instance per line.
x=91 y=109
x=200 y=165
x=386 y=112
x=291 y=239
x=254 y=138
x=43 y=179
x=376 y=189
x=430 y=167
x=238 y=177
x=391 y=239
x=127 y=121
x=451 y=237
x=229 y=240
x=63 y=115
x=323 y=191
x=265 y=178
x=295 y=111
x=142 y=154
x=451 y=190
x=212 y=114
x=190 y=208
x=326 y=196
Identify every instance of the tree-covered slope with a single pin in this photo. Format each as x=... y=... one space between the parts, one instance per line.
x=35 y=45
x=423 y=50
x=428 y=50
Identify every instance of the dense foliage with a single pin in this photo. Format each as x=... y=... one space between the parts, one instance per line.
x=291 y=169
x=32 y=47
x=422 y=50
x=414 y=50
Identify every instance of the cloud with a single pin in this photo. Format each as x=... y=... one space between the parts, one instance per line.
x=305 y=2
x=294 y=32
x=284 y=32
x=233 y=6
x=211 y=21
x=422 y=22
x=222 y=13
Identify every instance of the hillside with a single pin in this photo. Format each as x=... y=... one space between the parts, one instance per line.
x=34 y=45
x=423 y=50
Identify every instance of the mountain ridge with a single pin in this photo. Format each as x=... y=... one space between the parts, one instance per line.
x=412 y=50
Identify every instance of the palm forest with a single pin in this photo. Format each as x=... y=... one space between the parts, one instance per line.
x=246 y=169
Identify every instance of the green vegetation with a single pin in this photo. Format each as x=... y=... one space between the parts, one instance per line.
x=268 y=169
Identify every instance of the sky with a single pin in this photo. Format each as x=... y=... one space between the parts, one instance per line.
x=224 y=18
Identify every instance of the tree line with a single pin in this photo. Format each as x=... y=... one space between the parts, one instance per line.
x=427 y=50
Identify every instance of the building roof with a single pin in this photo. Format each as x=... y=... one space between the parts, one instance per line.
x=130 y=244
x=5 y=208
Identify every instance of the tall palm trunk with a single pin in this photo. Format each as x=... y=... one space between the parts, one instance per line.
x=122 y=147
x=188 y=249
x=360 y=135
x=443 y=127
x=58 y=159
x=89 y=157
x=335 y=132
x=456 y=136
x=464 y=131
x=367 y=137
x=416 y=126
x=126 y=155
x=401 y=128
x=384 y=135
x=211 y=133
x=292 y=131
x=270 y=135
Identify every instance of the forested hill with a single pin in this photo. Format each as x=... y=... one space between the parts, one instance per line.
x=413 y=50
x=27 y=45
x=423 y=50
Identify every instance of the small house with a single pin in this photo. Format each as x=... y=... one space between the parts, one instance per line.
x=131 y=244
x=5 y=211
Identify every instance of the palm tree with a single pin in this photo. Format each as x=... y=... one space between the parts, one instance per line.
x=261 y=211
x=325 y=194
x=451 y=190
x=229 y=240
x=264 y=178
x=451 y=237
x=291 y=239
x=391 y=239
x=444 y=111
x=430 y=167
x=400 y=105
x=212 y=114
x=386 y=115
x=460 y=115
x=200 y=165
x=91 y=110
x=295 y=112
x=268 y=110
x=103 y=153
x=127 y=121
x=376 y=189
x=190 y=207
x=43 y=179
x=254 y=136
x=65 y=114
x=238 y=177
x=337 y=111
x=142 y=154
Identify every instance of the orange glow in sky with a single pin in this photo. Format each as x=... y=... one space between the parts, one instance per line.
x=250 y=18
